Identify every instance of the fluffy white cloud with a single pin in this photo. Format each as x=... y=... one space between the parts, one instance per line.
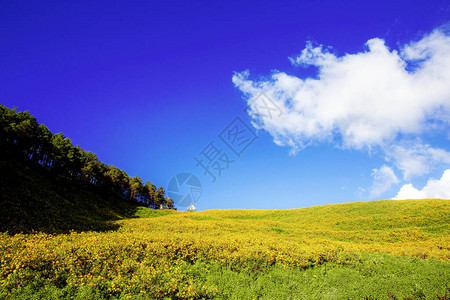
x=383 y=179
x=377 y=99
x=433 y=189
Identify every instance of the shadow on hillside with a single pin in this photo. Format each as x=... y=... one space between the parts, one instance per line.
x=30 y=202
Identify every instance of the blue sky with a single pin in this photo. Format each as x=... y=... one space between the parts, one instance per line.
x=148 y=85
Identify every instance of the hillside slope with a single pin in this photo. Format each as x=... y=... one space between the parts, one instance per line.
x=32 y=201
x=363 y=250
x=49 y=184
x=419 y=228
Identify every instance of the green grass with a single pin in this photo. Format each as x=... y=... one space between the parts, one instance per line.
x=373 y=277
x=145 y=212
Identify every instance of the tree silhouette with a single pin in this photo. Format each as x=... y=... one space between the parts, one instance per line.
x=23 y=138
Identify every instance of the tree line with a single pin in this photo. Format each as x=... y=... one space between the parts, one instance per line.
x=22 y=137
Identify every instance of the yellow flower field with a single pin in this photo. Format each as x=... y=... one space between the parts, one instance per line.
x=150 y=256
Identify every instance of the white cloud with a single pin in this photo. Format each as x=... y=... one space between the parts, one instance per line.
x=433 y=189
x=377 y=99
x=383 y=179
x=416 y=159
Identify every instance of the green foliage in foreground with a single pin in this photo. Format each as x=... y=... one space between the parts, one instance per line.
x=375 y=276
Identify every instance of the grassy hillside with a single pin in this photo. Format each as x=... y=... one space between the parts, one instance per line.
x=364 y=250
x=30 y=200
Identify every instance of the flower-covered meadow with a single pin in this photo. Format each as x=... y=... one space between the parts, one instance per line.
x=159 y=257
